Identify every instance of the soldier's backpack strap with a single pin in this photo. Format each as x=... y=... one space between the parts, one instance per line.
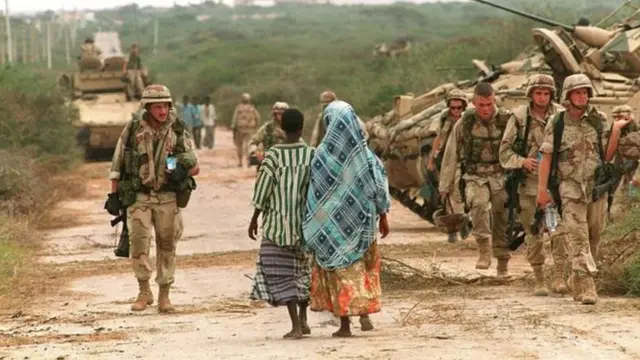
x=467 y=127
x=594 y=120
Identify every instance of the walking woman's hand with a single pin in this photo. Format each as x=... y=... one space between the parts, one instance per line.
x=383 y=224
x=253 y=229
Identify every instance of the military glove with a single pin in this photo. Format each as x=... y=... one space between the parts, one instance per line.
x=113 y=204
x=179 y=174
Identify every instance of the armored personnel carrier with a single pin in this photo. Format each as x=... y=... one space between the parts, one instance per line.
x=403 y=137
x=99 y=92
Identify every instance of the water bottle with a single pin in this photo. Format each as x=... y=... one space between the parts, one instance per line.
x=633 y=190
x=539 y=157
x=551 y=218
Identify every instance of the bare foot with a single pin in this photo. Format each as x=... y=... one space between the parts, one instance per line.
x=342 y=333
x=365 y=324
x=293 y=335
x=306 y=330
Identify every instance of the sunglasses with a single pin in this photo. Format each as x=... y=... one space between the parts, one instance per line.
x=455 y=107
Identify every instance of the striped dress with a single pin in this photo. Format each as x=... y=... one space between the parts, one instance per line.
x=283 y=269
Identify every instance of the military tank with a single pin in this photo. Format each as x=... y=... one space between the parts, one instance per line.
x=403 y=137
x=98 y=91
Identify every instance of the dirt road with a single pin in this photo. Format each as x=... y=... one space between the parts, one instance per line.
x=87 y=314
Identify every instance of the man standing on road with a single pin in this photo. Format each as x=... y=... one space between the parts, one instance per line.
x=578 y=166
x=317 y=135
x=520 y=153
x=244 y=124
x=208 y=113
x=147 y=190
x=474 y=144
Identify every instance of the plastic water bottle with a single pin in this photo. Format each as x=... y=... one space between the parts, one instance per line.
x=633 y=190
x=551 y=218
x=539 y=157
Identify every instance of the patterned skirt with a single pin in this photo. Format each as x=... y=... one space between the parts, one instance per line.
x=282 y=274
x=351 y=291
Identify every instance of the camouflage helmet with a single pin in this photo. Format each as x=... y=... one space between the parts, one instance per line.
x=457 y=94
x=541 y=81
x=620 y=109
x=246 y=97
x=156 y=93
x=574 y=82
x=280 y=105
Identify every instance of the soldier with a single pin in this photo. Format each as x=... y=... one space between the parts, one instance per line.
x=582 y=132
x=474 y=144
x=457 y=103
x=244 y=123
x=625 y=112
x=89 y=49
x=132 y=68
x=516 y=152
x=270 y=133
x=146 y=189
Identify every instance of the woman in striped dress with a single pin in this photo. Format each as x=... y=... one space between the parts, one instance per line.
x=283 y=270
x=348 y=195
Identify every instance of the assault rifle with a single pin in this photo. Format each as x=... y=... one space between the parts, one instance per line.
x=123 y=244
x=515 y=230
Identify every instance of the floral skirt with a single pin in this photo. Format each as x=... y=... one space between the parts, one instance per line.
x=351 y=291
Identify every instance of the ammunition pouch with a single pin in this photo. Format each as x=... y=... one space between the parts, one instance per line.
x=127 y=190
x=183 y=191
x=519 y=146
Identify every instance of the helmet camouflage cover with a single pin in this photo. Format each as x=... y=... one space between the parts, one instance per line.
x=456 y=94
x=620 y=109
x=576 y=81
x=541 y=81
x=280 y=105
x=156 y=93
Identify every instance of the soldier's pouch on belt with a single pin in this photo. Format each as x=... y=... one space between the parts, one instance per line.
x=183 y=191
x=127 y=192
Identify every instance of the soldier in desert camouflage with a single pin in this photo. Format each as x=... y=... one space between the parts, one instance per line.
x=244 y=124
x=147 y=192
x=531 y=119
x=270 y=133
x=588 y=142
x=474 y=143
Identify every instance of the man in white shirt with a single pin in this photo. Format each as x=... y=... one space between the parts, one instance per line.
x=208 y=113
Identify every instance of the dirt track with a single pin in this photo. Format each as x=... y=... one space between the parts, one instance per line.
x=89 y=317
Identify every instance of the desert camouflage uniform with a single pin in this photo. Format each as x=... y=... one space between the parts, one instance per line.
x=155 y=208
x=484 y=192
x=582 y=219
x=135 y=84
x=244 y=123
x=270 y=133
x=528 y=190
x=446 y=123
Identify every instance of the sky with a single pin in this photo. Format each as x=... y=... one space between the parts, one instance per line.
x=30 y=6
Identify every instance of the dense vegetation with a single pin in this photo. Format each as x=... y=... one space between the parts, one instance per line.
x=293 y=52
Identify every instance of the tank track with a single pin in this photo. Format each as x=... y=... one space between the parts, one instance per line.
x=425 y=211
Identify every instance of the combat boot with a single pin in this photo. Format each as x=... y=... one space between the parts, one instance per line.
x=558 y=285
x=589 y=293
x=540 y=287
x=145 y=296
x=575 y=286
x=503 y=267
x=484 y=256
x=164 y=305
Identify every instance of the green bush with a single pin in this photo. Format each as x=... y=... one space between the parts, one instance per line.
x=36 y=118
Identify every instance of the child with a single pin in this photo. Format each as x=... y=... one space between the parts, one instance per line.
x=283 y=269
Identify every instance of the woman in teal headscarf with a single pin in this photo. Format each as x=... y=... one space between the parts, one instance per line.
x=348 y=194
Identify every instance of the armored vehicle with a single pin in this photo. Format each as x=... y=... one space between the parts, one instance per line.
x=403 y=137
x=99 y=92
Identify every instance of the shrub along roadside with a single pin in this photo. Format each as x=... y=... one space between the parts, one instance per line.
x=37 y=141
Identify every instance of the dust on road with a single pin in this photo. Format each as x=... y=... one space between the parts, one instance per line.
x=81 y=307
